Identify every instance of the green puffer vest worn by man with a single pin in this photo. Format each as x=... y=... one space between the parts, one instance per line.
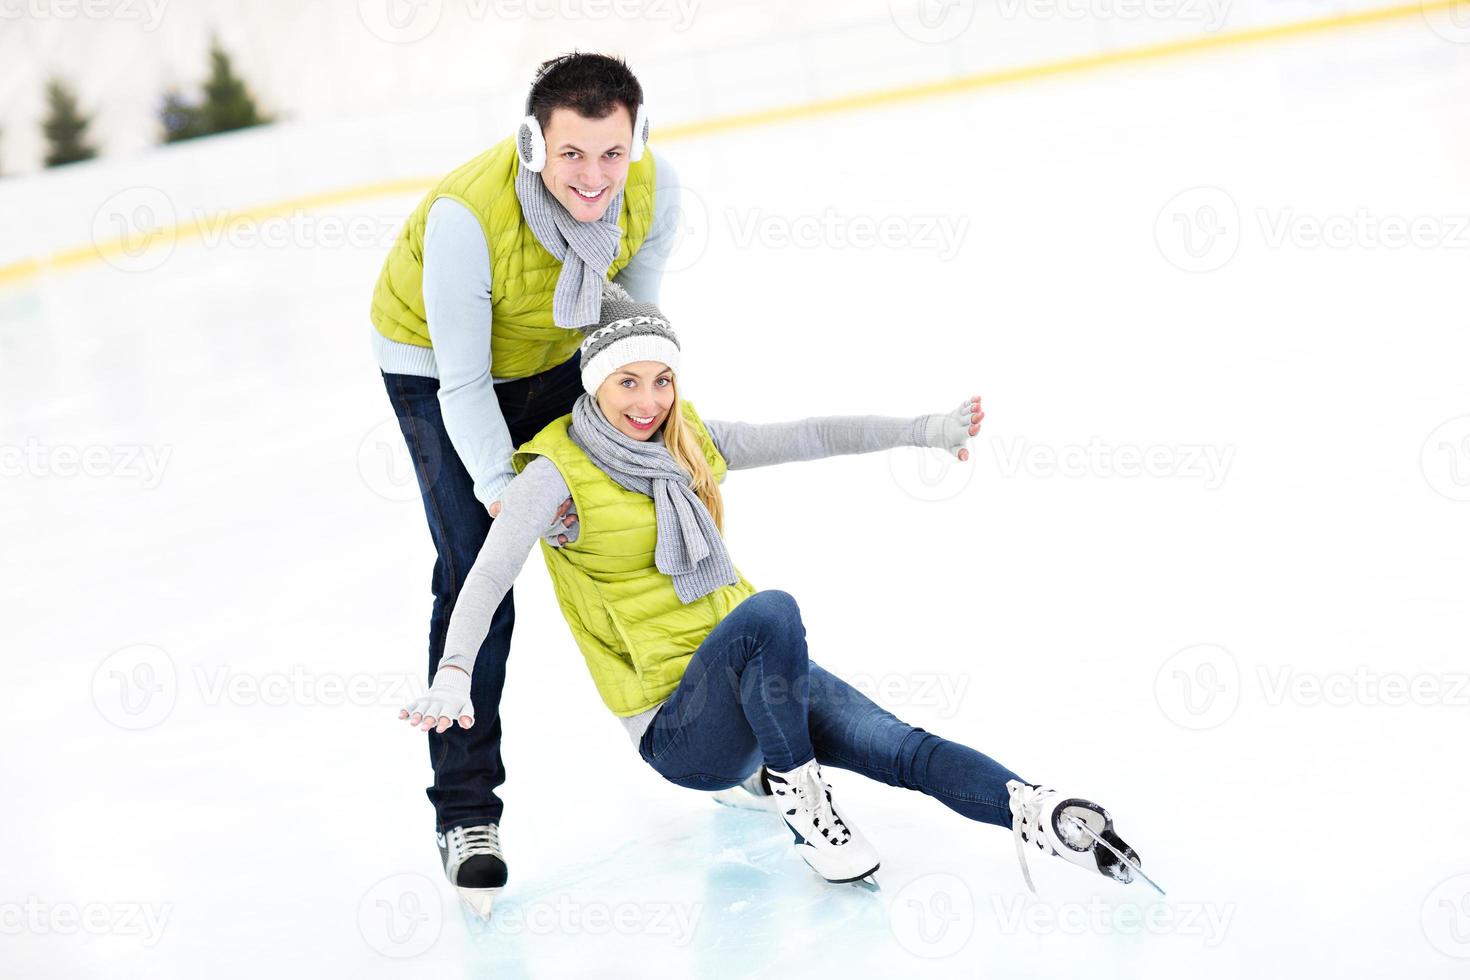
x=475 y=321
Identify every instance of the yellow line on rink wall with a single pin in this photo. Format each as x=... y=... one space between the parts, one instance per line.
x=31 y=267
x=1047 y=69
x=217 y=223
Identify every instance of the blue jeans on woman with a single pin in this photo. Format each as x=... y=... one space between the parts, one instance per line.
x=467 y=763
x=750 y=696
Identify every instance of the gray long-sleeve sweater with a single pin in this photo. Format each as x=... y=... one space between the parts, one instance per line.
x=530 y=502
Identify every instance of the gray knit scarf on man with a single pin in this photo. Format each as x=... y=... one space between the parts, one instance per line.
x=690 y=548
x=586 y=249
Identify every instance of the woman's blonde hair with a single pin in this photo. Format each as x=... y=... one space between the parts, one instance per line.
x=684 y=446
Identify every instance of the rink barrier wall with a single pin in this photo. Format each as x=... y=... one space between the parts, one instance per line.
x=98 y=251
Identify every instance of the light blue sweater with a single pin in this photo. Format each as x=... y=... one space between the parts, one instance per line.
x=457 y=303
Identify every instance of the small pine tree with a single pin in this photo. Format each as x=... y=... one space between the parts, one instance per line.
x=181 y=119
x=228 y=103
x=65 y=126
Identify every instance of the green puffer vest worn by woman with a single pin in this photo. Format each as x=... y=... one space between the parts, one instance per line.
x=631 y=627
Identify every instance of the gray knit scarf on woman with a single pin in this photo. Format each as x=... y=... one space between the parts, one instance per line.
x=690 y=548
x=586 y=249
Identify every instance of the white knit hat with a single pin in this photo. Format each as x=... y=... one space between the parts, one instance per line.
x=626 y=331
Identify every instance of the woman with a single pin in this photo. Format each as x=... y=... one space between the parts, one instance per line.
x=709 y=675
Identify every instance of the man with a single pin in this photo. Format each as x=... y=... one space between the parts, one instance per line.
x=475 y=319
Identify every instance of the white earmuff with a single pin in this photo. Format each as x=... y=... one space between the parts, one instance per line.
x=531 y=144
x=640 y=134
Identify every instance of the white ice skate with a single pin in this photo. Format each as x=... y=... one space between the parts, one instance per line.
x=1072 y=828
x=473 y=864
x=753 y=794
x=831 y=846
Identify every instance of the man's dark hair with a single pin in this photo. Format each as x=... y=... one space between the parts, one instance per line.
x=591 y=85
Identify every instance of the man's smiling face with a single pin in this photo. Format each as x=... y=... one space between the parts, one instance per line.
x=587 y=160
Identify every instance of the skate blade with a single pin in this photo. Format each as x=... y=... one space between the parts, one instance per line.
x=868 y=880
x=871 y=875
x=741 y=799
x=480 y=901
x=1119 y=855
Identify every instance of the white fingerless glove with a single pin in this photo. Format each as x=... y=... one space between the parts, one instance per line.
x=950 y=430
x=448 y=697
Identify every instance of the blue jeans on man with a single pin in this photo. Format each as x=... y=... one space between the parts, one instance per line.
x=467 y=763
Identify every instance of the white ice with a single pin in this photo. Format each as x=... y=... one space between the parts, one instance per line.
x=275 y=547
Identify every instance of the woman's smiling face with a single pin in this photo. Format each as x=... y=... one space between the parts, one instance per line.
x=638 y=392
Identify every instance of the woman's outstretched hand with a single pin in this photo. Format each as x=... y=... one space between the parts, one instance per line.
x=951 y=430
x=446 y=701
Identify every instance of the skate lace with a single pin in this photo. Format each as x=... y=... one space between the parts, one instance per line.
x=1026 y=816
x=466 y=842
x=812 y=793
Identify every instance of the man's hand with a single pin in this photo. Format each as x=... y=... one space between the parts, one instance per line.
x=446 y=701
x=565 y=520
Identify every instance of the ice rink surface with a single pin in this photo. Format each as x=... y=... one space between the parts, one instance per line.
x=1252 y=652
